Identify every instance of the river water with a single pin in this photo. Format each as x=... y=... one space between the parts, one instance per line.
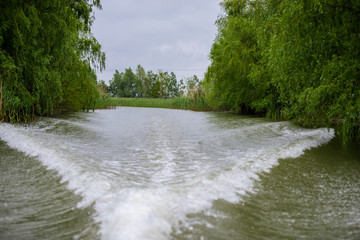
x=137 y=173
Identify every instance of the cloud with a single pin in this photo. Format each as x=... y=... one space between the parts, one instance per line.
x=185 y=48
x=194 y=48
x=158 y=34
x=166 y=48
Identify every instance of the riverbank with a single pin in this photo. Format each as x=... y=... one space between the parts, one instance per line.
x=199 y=104
x=184 y=103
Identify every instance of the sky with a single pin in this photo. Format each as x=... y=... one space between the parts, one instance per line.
x=173 y=36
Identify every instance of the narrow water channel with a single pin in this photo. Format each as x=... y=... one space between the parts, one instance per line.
x=136 y=173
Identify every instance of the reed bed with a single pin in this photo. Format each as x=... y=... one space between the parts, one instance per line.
x=185 y=103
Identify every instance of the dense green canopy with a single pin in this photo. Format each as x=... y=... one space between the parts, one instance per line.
x=291 y=59
x=47 y=56
x=146 y=84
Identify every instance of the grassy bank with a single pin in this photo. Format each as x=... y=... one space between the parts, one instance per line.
x=141 y=102
x=185 y=103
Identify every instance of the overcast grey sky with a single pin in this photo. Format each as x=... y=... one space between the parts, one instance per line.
x=174 y=36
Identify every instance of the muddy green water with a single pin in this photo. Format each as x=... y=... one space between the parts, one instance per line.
x=135 y=173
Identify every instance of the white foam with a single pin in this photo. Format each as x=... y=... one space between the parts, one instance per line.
x=51 y=156
x=153 y=211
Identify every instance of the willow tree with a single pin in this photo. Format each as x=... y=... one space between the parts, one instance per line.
x=233 y=54
x=47 y=57
x=297 y=59
x=314 y=61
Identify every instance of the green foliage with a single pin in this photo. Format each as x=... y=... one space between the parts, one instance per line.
x=102 y=87
x=46 y=50
x=233 y=55
x=183 y=102
x=296 y=60
x=144 y=84
x=142 y=102
x=159 y=91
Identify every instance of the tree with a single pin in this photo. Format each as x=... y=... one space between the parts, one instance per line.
x=46 y=52
x=164 y=82
x=181 y=87
x=146 y=84
x=103 y=87
x=155 y=85
x=297 y=60
x=142 y=81
x=174 y=90
x=130 y=84
x=116 y=84
x=233 y=55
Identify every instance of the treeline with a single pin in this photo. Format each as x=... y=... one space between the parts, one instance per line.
x=47 y=56
x=149 y=89
x=289 y=59
x=147 y=84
